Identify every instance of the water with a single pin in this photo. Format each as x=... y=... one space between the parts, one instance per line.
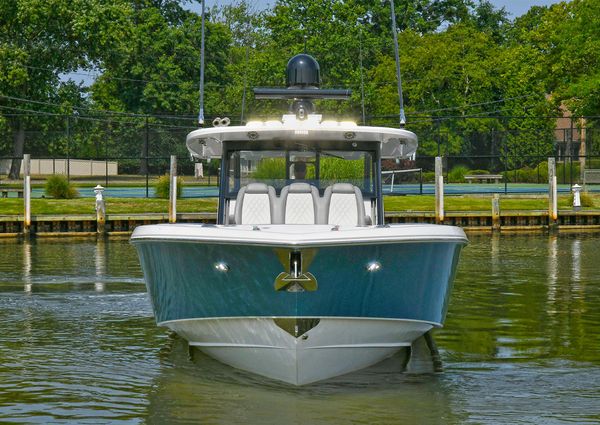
x=78 y=344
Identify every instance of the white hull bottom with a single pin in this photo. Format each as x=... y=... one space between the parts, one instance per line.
x=333 y=347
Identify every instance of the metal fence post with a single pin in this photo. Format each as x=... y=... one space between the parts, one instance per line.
x=146 y=150
x=68 y=148
x=173 y=191
x=505 y=174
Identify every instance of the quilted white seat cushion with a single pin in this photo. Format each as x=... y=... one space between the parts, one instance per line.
x=255 y=204
x=256 y=209
x=342 y=209
x=299 y=209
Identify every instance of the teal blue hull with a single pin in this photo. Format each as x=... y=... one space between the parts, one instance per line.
x=413 y=283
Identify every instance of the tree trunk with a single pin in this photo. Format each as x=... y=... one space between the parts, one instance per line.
x=18 y=148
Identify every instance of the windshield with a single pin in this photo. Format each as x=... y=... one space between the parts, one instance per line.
x=279 y=168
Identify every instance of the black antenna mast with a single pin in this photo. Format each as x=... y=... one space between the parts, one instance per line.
x=201 y=113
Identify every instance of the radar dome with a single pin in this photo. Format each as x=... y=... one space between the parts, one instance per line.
x=303 y=72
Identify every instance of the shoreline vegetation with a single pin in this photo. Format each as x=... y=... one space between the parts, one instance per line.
x=408 y=203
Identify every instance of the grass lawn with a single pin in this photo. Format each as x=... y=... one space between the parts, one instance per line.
x=14 y=206
x=479 y=203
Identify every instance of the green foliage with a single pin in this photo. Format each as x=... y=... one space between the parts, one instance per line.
x=537 y=174
x=587 y=201
x=460 y=58
x=566 y=171
x=270 y=169
x=57 y=186
x=457 y=174
x=429 y=177
x=341 y=169
x=162 y=187
x=331 y=169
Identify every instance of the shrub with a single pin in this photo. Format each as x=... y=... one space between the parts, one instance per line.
x=564 y=172
x=163 y=186
x=428 y=176
x=585 y=198
x=341 y=169
x=457 y=174
x=479 y=172
x=539 y=174
x=270 y=169
x=57 y=186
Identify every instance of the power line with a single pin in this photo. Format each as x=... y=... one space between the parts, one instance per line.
x=173 y=83
x=83 y=108
x=34 y=112
x=473 y=104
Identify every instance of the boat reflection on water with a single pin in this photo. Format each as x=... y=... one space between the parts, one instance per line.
x=194 y=388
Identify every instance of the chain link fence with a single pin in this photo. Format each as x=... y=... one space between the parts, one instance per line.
x=125 y=149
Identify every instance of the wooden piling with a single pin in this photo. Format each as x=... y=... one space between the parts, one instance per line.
x=27 y=194
x=496 y=212
x=439 y=190
x=552 y=193
x=173 y=191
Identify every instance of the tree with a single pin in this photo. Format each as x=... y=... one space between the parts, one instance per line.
x=38 y=42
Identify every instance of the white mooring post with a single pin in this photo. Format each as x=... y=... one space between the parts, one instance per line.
x=100 y=210
x=576 y=189
x=27 y=193
x=439 y=190
x=173 y=191
x=552 y=192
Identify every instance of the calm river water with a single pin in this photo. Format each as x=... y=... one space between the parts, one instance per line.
x=78 y=344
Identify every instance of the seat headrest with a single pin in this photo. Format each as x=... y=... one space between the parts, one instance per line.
x=257 y=188
x=342 y=188
x=300 y=188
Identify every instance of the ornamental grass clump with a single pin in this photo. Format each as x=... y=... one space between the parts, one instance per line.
x=457 y=174
x=587 y=201
x=163 y=186
x=57 y=186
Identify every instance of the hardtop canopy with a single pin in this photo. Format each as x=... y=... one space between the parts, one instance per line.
x=206 y=143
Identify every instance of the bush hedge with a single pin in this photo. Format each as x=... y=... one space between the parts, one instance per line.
x=162 y=187
x=57 y=186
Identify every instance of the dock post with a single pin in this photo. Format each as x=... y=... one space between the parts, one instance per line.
x=27 y=194
x=496 y=212
x=173 y=191
x=100 y=210
x=552 y=193
x=439 y=190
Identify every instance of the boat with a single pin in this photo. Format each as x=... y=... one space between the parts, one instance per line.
x=301 y=279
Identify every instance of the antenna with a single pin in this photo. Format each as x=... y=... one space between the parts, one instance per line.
x=303 y=77
x=398 y=75
x=362 y=79
x=201 y=113
x=245 y=85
